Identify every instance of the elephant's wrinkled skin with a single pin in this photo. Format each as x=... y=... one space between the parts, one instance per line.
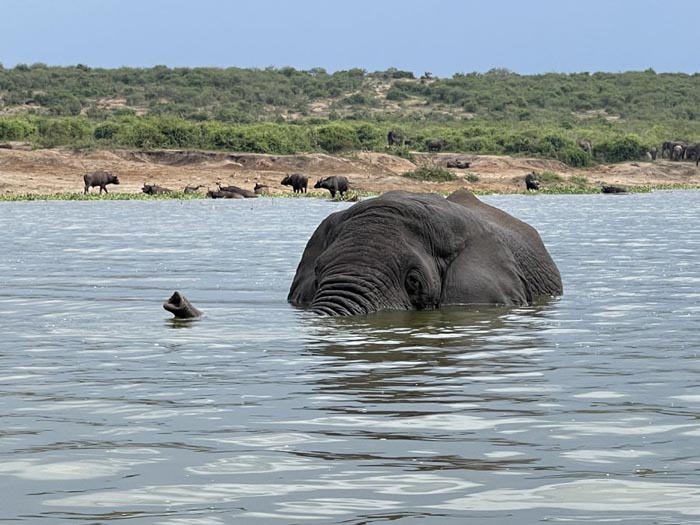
x=404 y=251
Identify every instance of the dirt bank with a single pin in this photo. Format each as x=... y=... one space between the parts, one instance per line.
x=51 y=171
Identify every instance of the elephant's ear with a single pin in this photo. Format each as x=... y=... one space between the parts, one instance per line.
x=484 y=272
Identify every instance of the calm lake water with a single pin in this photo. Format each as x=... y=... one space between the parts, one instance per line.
x=584 y=410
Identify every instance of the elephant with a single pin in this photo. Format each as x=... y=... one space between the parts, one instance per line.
x=180 y=307
x=532 y=183
x=692 y=150
x=435 y=145
x=669 y=147
x=585 y=145
x=677 y=152
x=395 y=138
x=417 y=251
x=653 y=152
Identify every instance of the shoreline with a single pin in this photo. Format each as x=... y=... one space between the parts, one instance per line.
x=351 y=197
x=56 y=174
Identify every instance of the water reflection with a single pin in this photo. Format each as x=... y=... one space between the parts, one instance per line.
x=414 y=356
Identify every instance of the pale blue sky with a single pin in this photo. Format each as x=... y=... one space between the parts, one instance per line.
x=440 y=36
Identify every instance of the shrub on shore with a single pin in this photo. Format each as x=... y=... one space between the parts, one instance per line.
x=431 y=174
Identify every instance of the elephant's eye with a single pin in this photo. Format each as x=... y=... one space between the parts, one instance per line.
x=418 y=291
x=414 y=283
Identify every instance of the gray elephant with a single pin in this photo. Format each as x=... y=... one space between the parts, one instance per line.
x=692 y=151
x=670 y=146
x=677 y=152
x=410 y=251
x=395 y=138
x=585 y=145
x=181 y=307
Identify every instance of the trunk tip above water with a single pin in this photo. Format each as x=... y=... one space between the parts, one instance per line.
x=180 y=307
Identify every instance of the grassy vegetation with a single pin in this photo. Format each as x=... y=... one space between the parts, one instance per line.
x=431 y=173
x=282 y=111
x=572 y=186
x=112 y=196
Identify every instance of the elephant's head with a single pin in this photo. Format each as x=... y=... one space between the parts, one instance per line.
x=421 y=251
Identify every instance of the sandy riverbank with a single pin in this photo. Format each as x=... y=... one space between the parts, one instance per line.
x=53 y=171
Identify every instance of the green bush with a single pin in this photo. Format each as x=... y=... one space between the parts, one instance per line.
x=433 y=174
x=620 y=149
x=549 y=177
x=335 y=138
x=17 y=129
x=64 y=132
x=106 y=131
x=575 y=156
x=396 y=94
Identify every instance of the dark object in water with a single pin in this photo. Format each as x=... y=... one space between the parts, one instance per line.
x=180 y=307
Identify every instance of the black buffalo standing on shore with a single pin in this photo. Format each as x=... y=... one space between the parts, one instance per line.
x=101 y=179
x=297 y=181
x=334 y=184
x=532 y=183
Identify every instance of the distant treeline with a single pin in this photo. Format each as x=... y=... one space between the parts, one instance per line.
x=287 y=111
x=247 y=95
x=608 y=145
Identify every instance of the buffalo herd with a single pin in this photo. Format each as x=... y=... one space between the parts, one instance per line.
x=335 y=184
x=338 y=185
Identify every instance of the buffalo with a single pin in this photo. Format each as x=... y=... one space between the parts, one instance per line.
x=611 y=188
x=532 y=183
x=334 y=184
x=435 y=146
x=154 y=189
x=459 y=164
x=297 y=181
x=261 y=189
x=222 y=194
x=247 y=194
x=101 y=179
